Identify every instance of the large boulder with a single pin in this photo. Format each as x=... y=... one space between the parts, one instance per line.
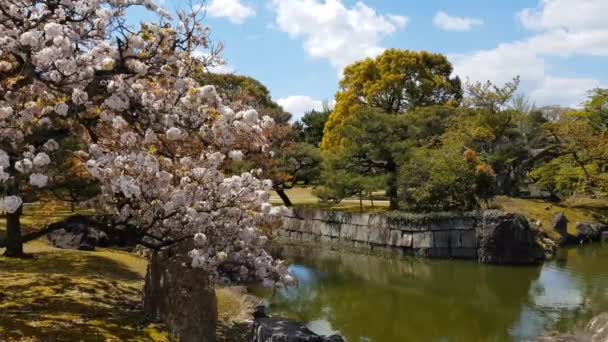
x=587 y=232
x=78 y=235
x=181 y=297
x=559 y=224
x=269 y=329
x=507 y=239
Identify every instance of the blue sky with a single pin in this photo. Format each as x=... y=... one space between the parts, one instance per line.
x=298 y=48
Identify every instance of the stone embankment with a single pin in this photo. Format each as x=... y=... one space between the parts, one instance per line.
x=490 y=237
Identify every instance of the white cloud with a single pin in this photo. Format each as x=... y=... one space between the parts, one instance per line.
x=568 y=92
x=233 y=10
x=221 y=69
x=556 y=33
x=500 y=64
x=566 y=14
x=334 y=32
x=298 y=105
x=447 y=22
x=219 y=66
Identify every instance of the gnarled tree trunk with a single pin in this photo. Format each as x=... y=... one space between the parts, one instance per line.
x=14 y=242
x=181 y=297
x=284 y=197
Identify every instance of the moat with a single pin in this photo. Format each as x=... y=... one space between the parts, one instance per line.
x=368 y=298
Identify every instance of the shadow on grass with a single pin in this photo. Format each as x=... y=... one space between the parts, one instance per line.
x=232 y=332
x=72 y=296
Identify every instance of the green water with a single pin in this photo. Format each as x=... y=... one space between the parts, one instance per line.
x=369 y=298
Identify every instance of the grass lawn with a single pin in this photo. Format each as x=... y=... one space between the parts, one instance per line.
x=67 y=295
x=580 y=210
x=304 y=197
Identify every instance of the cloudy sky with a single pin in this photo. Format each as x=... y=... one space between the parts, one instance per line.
x=298 y=48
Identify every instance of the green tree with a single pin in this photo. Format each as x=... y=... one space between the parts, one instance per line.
x=373 y=142
x=71 y=181
x=396 y=82
x=445 y=178
x=312 y=125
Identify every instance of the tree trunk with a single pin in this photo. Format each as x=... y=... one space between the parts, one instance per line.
x=360 y=202
x=391 y=190
x=284 y=197
x=14 y=243
x=181 y=297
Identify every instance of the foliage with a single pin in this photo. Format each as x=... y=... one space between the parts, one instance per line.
x=396 y=82
x=445 y=179
x=71 y=182
x=580 y=139
x=372 y=144
x=312 y=125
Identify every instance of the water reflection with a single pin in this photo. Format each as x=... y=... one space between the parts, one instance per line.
x=376 y=299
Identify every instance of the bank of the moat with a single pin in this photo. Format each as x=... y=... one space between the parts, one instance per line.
x=491 y=236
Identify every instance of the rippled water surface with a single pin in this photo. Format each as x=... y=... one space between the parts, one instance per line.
x=368 y=298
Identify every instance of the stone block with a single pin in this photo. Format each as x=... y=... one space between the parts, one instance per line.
x=377 y=220
x=455 y=239
x=379 y=235
x=307 y=237
x=306 y=226
x=348 y=231
x=317 y=227
x=406 y=240
x=332 y=216
x=296 y=236
x=441 y=239
x=422 y=240
x=334 y=229
x=362 y=234
x=359 y=219
x=468 y=239
x=395 y=237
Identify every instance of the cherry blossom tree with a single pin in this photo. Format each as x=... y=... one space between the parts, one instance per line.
x=159 y=141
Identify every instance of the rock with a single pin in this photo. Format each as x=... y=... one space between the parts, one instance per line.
x=560 y=225
x=595 y=331
x=180 y=297
x=507 y=239
x=267 y=329
x=587 y=232
x=598 y=328
x=79 y=236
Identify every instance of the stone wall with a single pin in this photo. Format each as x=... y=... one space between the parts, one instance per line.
x=447 y=237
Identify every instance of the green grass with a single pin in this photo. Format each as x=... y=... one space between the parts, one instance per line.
x=576 y=210
x=67 y=295
x=304 y=197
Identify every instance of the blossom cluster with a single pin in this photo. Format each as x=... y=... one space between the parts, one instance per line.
x=160 y=141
